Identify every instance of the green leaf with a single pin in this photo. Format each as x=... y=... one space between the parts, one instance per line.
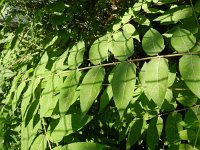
x=154 y=131
x=68 y=90
x=189 y=67
x=39 y=143
x=85 y=146
x=59 y=63
x=17 y=95
x=138 y=126
x=142 y=20
x=172 y=74
x=182 y=40
x=66 y=125
x=190 y=24
x=106 y=97
x=47 y=96
x=197 y=6
x=183 y=95
x=153 y=42
x=156 y=79
x=175 y=14
x=90 y=87
x=186 y=147
x=29 y=132
x=137 y=5
x=60 y=148
x=191 y=123
x=191 y=119
x=99 y=50
x=122 y=47
x=169 y=103
x=55 y=7
x=127 y=16
x=10 y=95
x=142 y=76
x=123 y=85
x=130 y=29
x=28 y=95
x=172 y=128
x=53 y=106
x=6 y=73
x=75 y=58
x=41 y=67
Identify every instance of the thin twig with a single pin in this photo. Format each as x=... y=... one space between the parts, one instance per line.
x=45 y=131
x=178 y=110
x=115 y=63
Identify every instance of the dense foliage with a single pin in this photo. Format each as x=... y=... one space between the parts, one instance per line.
x=96 y=74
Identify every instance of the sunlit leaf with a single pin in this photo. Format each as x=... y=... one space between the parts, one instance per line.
x=75 y=58
x=28 y=95
x=122 y=46
x=123 y=84
x=66 y=125
x=99 y=50
x=182 y=40
x=189 y=67
x=29 y=132
x=17 y=95
x=68 y=90
x=85 y=146
x=90 y=87
x=153 y=42
x=39 y=143
x=156 y=79
x=175 y=14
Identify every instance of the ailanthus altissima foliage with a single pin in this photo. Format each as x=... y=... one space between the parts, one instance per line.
x=97 y=75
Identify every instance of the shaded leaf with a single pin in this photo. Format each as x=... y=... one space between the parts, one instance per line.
x=136 y=129
x=172 y=128
x=154 y=131
x=183 y=95
x=197 y=6
x=106 y=97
